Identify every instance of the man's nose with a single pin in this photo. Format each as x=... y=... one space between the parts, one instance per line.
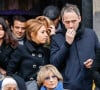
x=20 y=29
x=70 y=24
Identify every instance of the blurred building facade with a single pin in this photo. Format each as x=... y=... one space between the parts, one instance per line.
x=96 y=17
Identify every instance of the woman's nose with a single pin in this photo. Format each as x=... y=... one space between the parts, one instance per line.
x=51 y=79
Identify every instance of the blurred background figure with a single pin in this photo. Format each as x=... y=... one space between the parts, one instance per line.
x=51 y=80
x=53 y=13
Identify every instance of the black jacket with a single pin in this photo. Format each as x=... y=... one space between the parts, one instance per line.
x=27 y=59
x=20 y=82
x=5 y=52
x=96 y=68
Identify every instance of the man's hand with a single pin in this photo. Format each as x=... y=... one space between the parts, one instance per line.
x=70 y=35
x=88 y=63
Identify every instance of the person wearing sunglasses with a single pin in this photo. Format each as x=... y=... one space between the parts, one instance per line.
x=49 y=78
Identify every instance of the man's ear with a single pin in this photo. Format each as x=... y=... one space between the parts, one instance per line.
x=79 y=18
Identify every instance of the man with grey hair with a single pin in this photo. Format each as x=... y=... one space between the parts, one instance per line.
x=73 y=50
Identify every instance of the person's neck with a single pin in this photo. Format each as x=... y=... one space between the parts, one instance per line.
x=17 y=38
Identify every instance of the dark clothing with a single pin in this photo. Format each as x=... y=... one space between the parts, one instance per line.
x=69 y=59
x=20 y=82
x=97 y=88
x=96 y=69
x=27 y=59
x=5 y=52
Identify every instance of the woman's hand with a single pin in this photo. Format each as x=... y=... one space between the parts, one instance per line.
x=2 y=71
x=52 y=30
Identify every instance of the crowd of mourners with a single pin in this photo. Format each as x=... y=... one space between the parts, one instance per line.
x=53 y=51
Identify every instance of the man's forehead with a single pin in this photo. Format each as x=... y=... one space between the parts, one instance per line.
x=70 y=16
x=18 y=21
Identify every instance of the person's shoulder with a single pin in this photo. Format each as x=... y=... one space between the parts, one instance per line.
x=58 y=35
x=58 y=38
x=89 y=30
x=20 y=48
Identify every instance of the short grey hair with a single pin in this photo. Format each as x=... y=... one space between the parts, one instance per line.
x=70 y=8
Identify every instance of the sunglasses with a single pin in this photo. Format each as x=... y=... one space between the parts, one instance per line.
x=53 y=77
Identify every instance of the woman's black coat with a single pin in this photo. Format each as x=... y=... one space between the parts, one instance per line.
x=5 y=52
x=27 y=59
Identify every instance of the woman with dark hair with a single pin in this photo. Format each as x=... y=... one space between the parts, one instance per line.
x=7 y=46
